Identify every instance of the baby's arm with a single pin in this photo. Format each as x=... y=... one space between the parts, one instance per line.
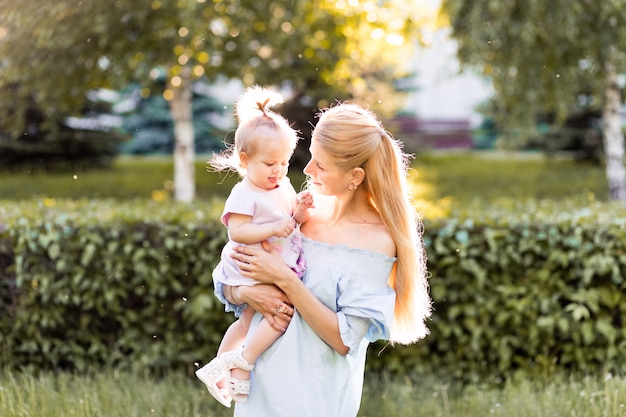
x=242 y=230
x=304 y=201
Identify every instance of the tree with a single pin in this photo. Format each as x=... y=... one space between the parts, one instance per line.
x=150 y=121
x=56 y=51
x=543 y=55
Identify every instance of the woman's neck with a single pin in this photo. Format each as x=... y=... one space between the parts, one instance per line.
x=352 y=208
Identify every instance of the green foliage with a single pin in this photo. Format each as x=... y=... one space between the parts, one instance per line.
x=68 y=151
x=63 y=148
x=540 y=55
x=95 y=284
x=55 y=52
x=530 y=288
x=580 y=135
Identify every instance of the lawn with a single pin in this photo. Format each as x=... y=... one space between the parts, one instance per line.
x=116 y=394
x=458 y=178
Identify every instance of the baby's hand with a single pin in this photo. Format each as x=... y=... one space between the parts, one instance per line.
x=305 y=200
x=284 y=227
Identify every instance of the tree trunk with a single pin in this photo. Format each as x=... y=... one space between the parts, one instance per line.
x=184 y=147
x=613 y=137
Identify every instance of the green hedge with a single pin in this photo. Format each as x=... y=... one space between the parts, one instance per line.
x=523 y=296
x=92 y=283
x=518 y=287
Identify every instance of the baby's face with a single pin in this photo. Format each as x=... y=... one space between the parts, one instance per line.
x=268 y=166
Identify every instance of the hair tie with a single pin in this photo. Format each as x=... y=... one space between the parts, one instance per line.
x=262 y=106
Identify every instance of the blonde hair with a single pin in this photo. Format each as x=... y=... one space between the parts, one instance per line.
x=257 y=123
x=355 y=138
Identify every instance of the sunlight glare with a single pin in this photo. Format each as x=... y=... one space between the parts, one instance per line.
x=395 y=39
x=198 y=71
x=176 y=81
x=377 y=34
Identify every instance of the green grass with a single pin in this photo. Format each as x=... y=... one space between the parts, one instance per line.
x=110 y=394
x=558 y=396
x=459 y=178
x=490 y=176
x=116 y=394
x=129 y=178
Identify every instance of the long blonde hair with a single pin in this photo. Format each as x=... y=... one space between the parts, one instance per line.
x=354 y=138
x=257 y=123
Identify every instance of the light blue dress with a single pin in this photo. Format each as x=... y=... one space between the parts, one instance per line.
x=300 y=375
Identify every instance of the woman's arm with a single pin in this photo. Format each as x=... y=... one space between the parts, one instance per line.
x=268 y=267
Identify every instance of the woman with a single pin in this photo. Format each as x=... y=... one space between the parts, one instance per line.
x=365 y=278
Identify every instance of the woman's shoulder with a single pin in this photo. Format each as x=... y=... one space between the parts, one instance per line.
x=378 y=239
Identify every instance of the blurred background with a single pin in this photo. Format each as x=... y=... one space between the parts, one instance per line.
x=83 y=82
x=109 y=220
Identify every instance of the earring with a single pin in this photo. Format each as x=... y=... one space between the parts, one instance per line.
x=352 y=187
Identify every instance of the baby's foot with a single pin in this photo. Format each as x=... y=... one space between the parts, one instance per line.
x=239 y=378
x=239 y=385
x=215 y=375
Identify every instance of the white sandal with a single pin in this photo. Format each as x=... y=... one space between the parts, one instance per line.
x=238 y=389
x=212 y=373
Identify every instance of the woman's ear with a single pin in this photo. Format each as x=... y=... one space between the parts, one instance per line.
x=358 y=176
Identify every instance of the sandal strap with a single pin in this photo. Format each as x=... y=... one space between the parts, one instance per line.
x=239 y=386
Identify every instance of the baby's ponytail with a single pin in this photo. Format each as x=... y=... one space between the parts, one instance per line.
x=255 y=99
x=255 y=118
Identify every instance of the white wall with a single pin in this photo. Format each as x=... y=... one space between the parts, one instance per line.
x=443 y=92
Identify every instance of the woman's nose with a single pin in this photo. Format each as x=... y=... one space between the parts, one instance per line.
x=307 y=168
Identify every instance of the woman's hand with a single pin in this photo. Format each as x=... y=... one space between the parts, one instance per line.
x=262 y=264
x=266 y=265
x=268 y=300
